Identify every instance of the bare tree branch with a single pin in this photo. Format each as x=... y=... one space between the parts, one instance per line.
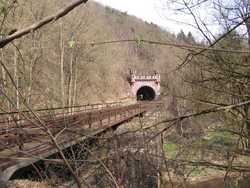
x=165 y=43
x=61 y=13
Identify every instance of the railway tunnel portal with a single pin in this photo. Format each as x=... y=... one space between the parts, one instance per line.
x=145 y=87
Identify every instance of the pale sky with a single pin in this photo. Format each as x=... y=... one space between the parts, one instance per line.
x=144 y=9
x=153 y=11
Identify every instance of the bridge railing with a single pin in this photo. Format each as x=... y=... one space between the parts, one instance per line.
x=16 y=116
x=101 y=115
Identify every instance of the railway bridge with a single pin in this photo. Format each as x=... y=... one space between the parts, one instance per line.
x=31 y=139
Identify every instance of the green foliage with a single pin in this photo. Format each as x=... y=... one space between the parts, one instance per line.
x=171 y=149
x=197 y=172
x=3 y=7
x=139 y=41
x=72 y=43
x=219 y=138
x=222 y=138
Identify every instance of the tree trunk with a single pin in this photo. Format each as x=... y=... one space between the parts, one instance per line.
x=62 y=64
x=31 y=69
x=3 y=74
x=247 y=22
x=16 y=77
x=247 y=124
x=30 y=84
x=70 y=80
x=75 y=84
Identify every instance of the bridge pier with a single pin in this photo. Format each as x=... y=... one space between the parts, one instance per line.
x=6 y=174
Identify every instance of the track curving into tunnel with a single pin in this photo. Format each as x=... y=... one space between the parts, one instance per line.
x=146 y=93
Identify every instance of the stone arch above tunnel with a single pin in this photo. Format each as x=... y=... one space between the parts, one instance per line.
x=145 y=86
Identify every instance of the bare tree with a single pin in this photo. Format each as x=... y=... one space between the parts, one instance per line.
x=233 y=12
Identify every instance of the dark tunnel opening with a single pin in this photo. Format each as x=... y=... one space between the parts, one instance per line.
x=145 y=93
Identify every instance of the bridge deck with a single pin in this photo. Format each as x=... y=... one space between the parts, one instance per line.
x=23 y=145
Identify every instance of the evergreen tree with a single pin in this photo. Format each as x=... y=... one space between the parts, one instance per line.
x=190 y=39
x=181 y=35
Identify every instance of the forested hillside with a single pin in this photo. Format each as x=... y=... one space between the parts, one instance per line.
x=57 y=65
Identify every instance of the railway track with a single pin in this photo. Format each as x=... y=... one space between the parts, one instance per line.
x=23 y=142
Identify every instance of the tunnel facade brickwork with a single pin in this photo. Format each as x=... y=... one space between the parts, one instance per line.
x=138 y=81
